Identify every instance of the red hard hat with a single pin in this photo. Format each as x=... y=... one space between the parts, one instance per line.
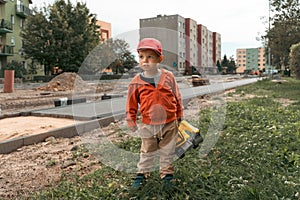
x=150 y=43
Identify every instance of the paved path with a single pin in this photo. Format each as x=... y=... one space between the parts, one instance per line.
x=102 y=113
x=116 y=106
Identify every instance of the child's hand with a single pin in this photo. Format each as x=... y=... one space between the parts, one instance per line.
x=134 y=131
x=133 y=128
x=179 y=119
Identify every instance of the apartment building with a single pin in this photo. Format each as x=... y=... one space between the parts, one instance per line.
x=187 y=44
x=250 y=59
x=192 y=46
x=210 y=48
x=13 y=14
x=170 y=30
x=105 y=30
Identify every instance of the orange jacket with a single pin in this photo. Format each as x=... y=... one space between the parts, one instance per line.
x=158 y=105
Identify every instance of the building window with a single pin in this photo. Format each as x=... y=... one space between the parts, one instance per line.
x=12 y=41
x=12 y=19
x=22 y=23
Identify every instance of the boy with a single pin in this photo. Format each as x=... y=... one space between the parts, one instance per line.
x=156 y=93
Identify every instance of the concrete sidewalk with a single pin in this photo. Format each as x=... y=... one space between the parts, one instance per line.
x=116 y=106
x=102 y=113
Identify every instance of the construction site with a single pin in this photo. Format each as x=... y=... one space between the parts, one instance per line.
x=38 y=138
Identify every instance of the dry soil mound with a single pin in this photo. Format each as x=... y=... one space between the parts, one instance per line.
x=65 y=82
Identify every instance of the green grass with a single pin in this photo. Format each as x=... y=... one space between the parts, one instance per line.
x=257 y=156
x=288 y=89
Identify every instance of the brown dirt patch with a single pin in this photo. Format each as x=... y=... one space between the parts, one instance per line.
x=40 y=166
x=30 y=125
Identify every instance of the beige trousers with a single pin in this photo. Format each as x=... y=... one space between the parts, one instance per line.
x=158 y=140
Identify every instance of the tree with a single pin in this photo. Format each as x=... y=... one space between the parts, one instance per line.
x=113 y=54
x=219 y=66
x=294 y=59
x=17 y=67
x=231 y=68
x=285 y=30
x=63 y=36
x=74 y=34
x=224 y=63
x=36 y=37
x=123 y=56
x=129 y=61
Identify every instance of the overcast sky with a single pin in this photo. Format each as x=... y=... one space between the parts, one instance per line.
x=240 y=22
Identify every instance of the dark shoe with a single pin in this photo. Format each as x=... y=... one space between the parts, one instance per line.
x=138 y=181
x=167 y=180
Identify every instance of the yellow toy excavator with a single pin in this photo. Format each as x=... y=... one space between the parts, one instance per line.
x=188 y=137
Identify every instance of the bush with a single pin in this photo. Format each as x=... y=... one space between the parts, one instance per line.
x=294 y=59
x=18 y=67
x=42 y=78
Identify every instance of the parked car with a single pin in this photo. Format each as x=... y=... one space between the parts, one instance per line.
x=271 y=72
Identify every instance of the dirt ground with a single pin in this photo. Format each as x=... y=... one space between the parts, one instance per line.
x=40 y=166
x=29 y=125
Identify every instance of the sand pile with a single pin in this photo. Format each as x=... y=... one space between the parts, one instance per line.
x=65 y=82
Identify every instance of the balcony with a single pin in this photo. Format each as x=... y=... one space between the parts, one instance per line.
x=22 y=11
x=5 y=26
x=6 y=50
x=2 y=1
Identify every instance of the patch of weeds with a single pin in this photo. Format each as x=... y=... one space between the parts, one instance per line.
x=121 y=131
x=132 y=145
x=295 y=105
x=230 y=94
x=51 y=163
x=79 y=151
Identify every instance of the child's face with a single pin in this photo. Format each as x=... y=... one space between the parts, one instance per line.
x=148 y=59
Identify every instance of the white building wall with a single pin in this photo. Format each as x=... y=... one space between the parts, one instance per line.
x=193 y=43
x=170 y=30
